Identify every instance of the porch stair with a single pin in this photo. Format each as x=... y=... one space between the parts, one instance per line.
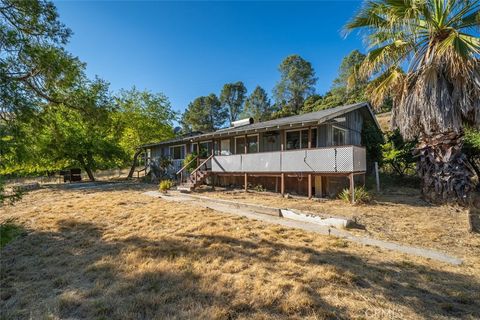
x=195 y=178
x=194 y=181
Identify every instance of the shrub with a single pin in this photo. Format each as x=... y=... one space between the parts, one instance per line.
x=397 y=155
x=259 y=188
x=165 y=185
x=188 y=159
x=361 y=195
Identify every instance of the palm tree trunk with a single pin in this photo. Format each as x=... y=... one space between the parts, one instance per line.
x=444 y=169
x=474 y=214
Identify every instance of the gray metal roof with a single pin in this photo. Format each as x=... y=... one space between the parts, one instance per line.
x=317 y=117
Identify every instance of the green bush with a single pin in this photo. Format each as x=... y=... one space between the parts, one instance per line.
x=165 y=185
x=193 y=165
x=361 y=195
x=397 y=155
x=372 y=139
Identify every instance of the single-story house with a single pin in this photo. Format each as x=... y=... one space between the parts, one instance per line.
x=315 y=154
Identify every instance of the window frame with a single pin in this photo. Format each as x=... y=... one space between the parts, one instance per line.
x=243 y=137
x=300 y=138
x=172 y=153
x=229 y=145
x=345 y=131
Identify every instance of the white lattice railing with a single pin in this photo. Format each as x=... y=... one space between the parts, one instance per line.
x=334 y=159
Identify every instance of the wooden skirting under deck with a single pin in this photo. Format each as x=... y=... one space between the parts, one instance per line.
x=300 y=183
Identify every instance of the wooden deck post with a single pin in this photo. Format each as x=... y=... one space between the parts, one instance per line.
x=309 y=186
x=282 y=184
x=246 y=182
x=352 y=188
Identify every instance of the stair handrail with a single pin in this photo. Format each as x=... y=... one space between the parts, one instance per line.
x=185 y=166
x=197 y=168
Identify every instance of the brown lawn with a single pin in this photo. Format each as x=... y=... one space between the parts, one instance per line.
x=118 y=254
x=400 y=216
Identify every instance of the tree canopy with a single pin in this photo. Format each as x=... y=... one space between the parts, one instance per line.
x=204 y=114
x=34 y=65
x=144 y=117
x=258 y=105
x=349 y=87
x=437 y=42
x=233 y=96
x=297 y=82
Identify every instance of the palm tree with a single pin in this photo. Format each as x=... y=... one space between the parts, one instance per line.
x=424 y=55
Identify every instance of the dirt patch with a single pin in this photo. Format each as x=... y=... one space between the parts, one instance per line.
x=118 y=254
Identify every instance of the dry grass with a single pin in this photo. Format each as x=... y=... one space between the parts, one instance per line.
x=401 y=216
x=118 y=254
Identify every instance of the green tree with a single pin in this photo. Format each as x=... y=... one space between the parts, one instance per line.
x=398 y=154
x=233 y=96
x=204 y=114
x=348 y=73
x=372 y=139
x=349 y=87
x=86 y=138
x=297 y=82
x=258 y=105
x=144 y=117
x=437 y=93
x=34 y=66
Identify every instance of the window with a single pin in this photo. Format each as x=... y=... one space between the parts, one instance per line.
x=252 y=144
x=177 y=152
x=314 y=138
x=293 y=140
x=299 y=139
x=194 y=148
x=225 y=147
x=205 y=149
x=239 y=145
x=339 y=135
x=271 y=141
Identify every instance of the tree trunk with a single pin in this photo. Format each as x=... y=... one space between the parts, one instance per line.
x=474 y=213
x=86 y=167
x=132 y=169
x=444 y=169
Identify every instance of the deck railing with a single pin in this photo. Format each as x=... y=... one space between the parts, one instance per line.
x=340 y=159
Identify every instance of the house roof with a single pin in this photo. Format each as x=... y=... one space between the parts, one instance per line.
x=316 y=117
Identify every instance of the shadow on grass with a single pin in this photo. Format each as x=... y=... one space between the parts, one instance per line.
x=73 y=273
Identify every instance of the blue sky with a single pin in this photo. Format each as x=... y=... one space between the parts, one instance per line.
x=189 y=49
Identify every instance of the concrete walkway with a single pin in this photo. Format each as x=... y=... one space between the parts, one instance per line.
x=251 y=213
